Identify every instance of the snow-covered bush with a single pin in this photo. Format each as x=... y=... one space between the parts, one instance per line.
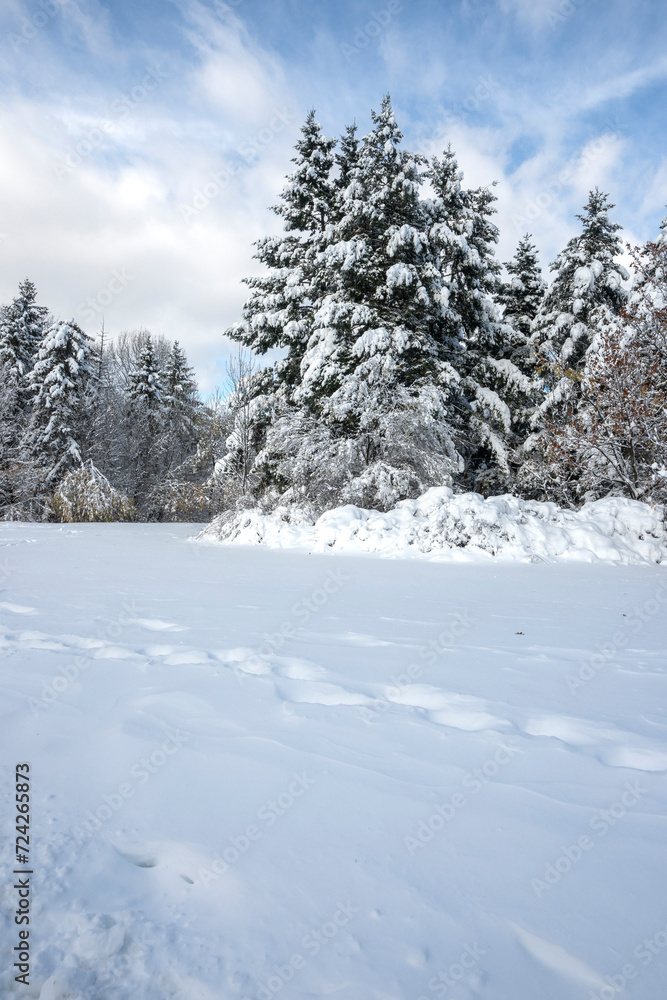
x=86 y=495
x=24 y=492
x=178 y=500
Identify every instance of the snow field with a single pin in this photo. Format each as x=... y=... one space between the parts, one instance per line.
x=263 y=774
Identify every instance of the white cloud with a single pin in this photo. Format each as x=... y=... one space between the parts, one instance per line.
x=540 y=14
x=74 y=221
x=543 y=195
x=620 y=85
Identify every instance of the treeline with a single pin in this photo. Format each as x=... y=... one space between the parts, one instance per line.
x=407 y=359
x=101 y=431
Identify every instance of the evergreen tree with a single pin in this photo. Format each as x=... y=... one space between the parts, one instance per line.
x=180 y=385
x=588 y=279
x=586 y=295
x=279 y=311
x=58 y=384
x=522 y=295
x=146 y=379
x=378 y=272
x=401 y=363
x=373 y=394
x=181 y=404
x=21 y=330
x=347 y=159
x=146 y=445
x=493 y=393
x=10 y=413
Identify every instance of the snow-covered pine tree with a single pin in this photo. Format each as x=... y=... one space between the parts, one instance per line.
x=347 y=160
x=145 y=381
x=10 y=410
x=588 y=278
x=521 y=298
x=180 y=385
x=279 y=312
x=182 y=406
x=22 y=325
x=522 y=295
x=374 y=396
x=58 y=384
x=146 y=445
x=586 y=296
x=494 y=392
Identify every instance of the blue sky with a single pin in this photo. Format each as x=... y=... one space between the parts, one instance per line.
x=143 y=142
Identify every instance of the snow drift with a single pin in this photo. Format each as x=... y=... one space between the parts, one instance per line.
x=442 y=525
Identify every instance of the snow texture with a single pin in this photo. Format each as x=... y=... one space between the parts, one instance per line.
x=261 y=774
x=443 y=525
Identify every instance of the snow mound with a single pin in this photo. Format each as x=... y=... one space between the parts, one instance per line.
x=442 y=525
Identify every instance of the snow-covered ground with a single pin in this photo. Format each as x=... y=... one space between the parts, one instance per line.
x=462 y=527
x=262 y=773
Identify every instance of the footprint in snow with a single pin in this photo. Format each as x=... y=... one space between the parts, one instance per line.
x=446 y=708
x=607 y=744
x=141 y=857
x=177 y=865
x=300 y=670
x=192 y=656
x=320 y=693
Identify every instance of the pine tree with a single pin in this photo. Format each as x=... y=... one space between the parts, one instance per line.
x=182 y=406
x=146 y=446
x=279 y=312
x=145 y=381
x=493 y=391
x=21 y=330
x=376 y=264
x=180 y=385
x=58 y=383
x=347 y=159
x=10 y=410
x=371 y=377
x=586 y=295
x=522 y=295
x=521 y=298
x=588 y=279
